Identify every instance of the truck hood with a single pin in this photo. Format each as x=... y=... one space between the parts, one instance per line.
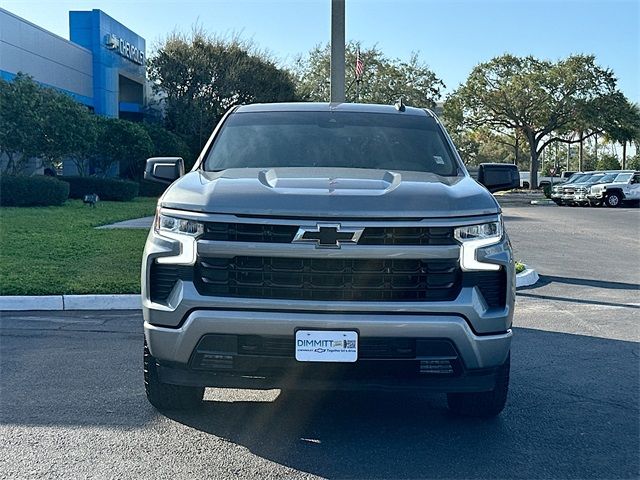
x=329 y=192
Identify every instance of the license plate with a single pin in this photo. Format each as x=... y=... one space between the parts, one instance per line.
x=326 y=346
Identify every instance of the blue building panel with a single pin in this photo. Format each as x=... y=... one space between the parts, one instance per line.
x=101 y=66
x=130 y=107
x=85 y=100
x=117 y=51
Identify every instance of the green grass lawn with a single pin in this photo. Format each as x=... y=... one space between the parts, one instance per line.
x=57 y=250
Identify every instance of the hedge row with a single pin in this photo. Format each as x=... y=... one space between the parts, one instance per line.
x=39 y=190
x=20 y=191
x=105 y=188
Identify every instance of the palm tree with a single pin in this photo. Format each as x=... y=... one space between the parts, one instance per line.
x=626 y=128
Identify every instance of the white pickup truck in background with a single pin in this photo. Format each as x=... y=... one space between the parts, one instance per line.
x=525 y=179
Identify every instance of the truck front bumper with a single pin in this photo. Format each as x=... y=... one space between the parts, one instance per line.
x=473 y=358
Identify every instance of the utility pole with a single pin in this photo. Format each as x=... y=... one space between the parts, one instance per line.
x=337 y=51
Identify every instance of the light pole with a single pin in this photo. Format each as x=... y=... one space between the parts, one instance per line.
x=337 y=51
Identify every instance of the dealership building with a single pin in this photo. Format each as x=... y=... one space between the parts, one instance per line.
x=102 y=65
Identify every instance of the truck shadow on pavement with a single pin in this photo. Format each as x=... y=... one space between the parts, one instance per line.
x=577 y=296
x=572 y=412
x=587 y=282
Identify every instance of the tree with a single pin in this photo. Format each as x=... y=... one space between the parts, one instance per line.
x=541 y=99
x=68 y=130
x=485 y=146
x=634 y=162
x=168 y=144
x=20 y=123
x=122 y=142
x=384 y=80
x=625 y=128
x=200 y=77
x=43 y=123
x=608 y=162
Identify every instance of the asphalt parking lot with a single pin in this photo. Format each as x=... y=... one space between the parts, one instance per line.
x=72 y=403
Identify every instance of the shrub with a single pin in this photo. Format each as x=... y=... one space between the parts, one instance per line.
x=520 y=267
x=105 y=188
x=22 y=191
x=547 y=190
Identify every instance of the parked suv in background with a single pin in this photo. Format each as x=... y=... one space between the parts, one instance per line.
x=624 y=187
x=582 y=188
x=327 y=246
x=558 y=190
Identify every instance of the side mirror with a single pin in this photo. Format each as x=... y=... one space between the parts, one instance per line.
x=498 y=176
x=164 y=169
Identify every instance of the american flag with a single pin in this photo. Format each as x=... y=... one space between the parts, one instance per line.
x=359 y=66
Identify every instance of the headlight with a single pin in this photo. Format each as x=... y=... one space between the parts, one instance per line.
x=165 y=224
x=184 y=231
x=473 y=237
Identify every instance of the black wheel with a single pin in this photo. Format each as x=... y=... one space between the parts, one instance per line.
x=613 y=199
x=165 y=396
x=483 y=404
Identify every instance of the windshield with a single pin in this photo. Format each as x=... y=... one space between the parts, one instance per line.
x=623 y=177
x=575 y=177
x=332 y=139
x=606 y=178
x=590 y=178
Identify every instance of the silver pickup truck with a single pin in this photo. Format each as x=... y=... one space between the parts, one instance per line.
x=328 y=246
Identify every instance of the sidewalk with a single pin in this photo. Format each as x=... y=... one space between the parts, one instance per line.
x=141 y=223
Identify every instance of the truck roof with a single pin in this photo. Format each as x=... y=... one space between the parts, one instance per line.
x=334 y=107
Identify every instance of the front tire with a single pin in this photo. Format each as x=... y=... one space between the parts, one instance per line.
x=483 y=404
x=165 y=396
x=613 y=200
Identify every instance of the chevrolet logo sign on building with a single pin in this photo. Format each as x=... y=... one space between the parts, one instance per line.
x=124 y=48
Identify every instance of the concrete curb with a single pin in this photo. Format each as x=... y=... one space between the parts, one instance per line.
x=544 y=203
x=526 y=278
x=70 y=302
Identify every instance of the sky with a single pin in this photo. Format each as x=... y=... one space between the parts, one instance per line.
x=451 y=36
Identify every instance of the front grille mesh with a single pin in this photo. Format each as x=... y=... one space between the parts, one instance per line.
x=329 y=279
x=320 y=279
x=264 y=233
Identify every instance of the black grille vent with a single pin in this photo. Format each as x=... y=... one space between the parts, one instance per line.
x=368 y=347
x=329 y=279
x=163 y=278
x=246 y=232
x=407 y=236
x=492 y=285
x=219 y=347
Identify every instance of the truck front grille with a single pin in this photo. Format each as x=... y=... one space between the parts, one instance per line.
x=329 y=279
x=264 y=233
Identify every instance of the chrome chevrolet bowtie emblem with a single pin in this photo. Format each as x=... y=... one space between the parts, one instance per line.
x=327 y=235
